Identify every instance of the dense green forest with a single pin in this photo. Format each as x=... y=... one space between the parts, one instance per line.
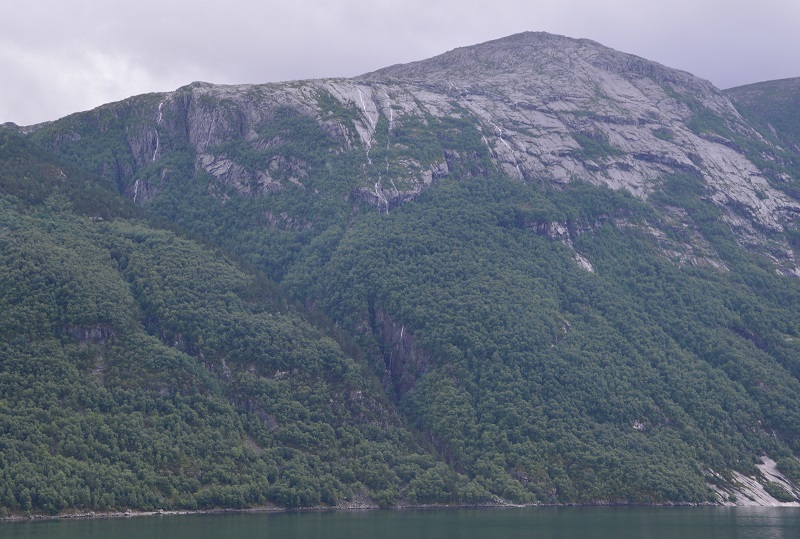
x=541 y=371
x=220 y=344
x=144 y=370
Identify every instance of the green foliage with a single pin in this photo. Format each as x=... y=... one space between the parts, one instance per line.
x=288 y=135
x=539 y=370
x=705 y=120
x=664 y=134
x=96 y=141
x=778 y=492
x=143 y=370
x=789 y=467
x=688 y=192
x=773 y=107
x=594 y=146
x=31 y=176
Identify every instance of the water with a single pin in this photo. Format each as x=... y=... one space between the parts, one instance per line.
x=531 y=523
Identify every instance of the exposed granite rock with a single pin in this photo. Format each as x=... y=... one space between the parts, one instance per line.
x=549 y=109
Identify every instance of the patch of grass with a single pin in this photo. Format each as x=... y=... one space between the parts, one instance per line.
x=664 y=134
x=595 y=146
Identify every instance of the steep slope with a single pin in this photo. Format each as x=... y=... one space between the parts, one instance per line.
x=142 y=370
x=775 y=107
x=572 y=268
x=548 y=109
x=553 y=108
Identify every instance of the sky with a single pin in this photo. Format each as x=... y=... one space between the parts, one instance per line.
x=64 y=56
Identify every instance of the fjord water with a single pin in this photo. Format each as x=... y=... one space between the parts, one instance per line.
x=534 y=523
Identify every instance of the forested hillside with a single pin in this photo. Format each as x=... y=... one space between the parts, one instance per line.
x=488 y=277
x=144 y=370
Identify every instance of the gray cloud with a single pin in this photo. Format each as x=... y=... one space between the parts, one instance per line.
x=58 y=57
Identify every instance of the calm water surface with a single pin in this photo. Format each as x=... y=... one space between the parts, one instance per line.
x=534 y=523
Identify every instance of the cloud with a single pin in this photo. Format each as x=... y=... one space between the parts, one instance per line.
x=42 y=85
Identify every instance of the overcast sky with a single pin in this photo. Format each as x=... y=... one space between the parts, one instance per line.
x=63 y=56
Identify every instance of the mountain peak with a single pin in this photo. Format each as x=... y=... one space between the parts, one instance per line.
x=511 y=53
x=537 y=55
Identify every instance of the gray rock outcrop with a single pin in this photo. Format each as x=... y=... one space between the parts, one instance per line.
x=548 y=109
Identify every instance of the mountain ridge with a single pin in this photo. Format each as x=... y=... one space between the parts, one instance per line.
x=584 y=123
x=774 y=104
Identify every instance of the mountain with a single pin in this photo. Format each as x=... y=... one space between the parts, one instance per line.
x=774 y=106
x=531 y=270
x=542 y=108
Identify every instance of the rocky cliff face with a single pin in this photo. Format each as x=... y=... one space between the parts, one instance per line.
x=557 y=109
x=545 y=108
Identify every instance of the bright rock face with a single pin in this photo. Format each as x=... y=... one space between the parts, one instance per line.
x=549 y=109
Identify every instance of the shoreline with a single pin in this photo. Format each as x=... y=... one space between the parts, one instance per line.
x=91 y=515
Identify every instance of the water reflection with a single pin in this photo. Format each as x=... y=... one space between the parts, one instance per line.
x=767 y=522
x=531 y=523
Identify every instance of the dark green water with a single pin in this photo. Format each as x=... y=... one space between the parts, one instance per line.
x=545 y=523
